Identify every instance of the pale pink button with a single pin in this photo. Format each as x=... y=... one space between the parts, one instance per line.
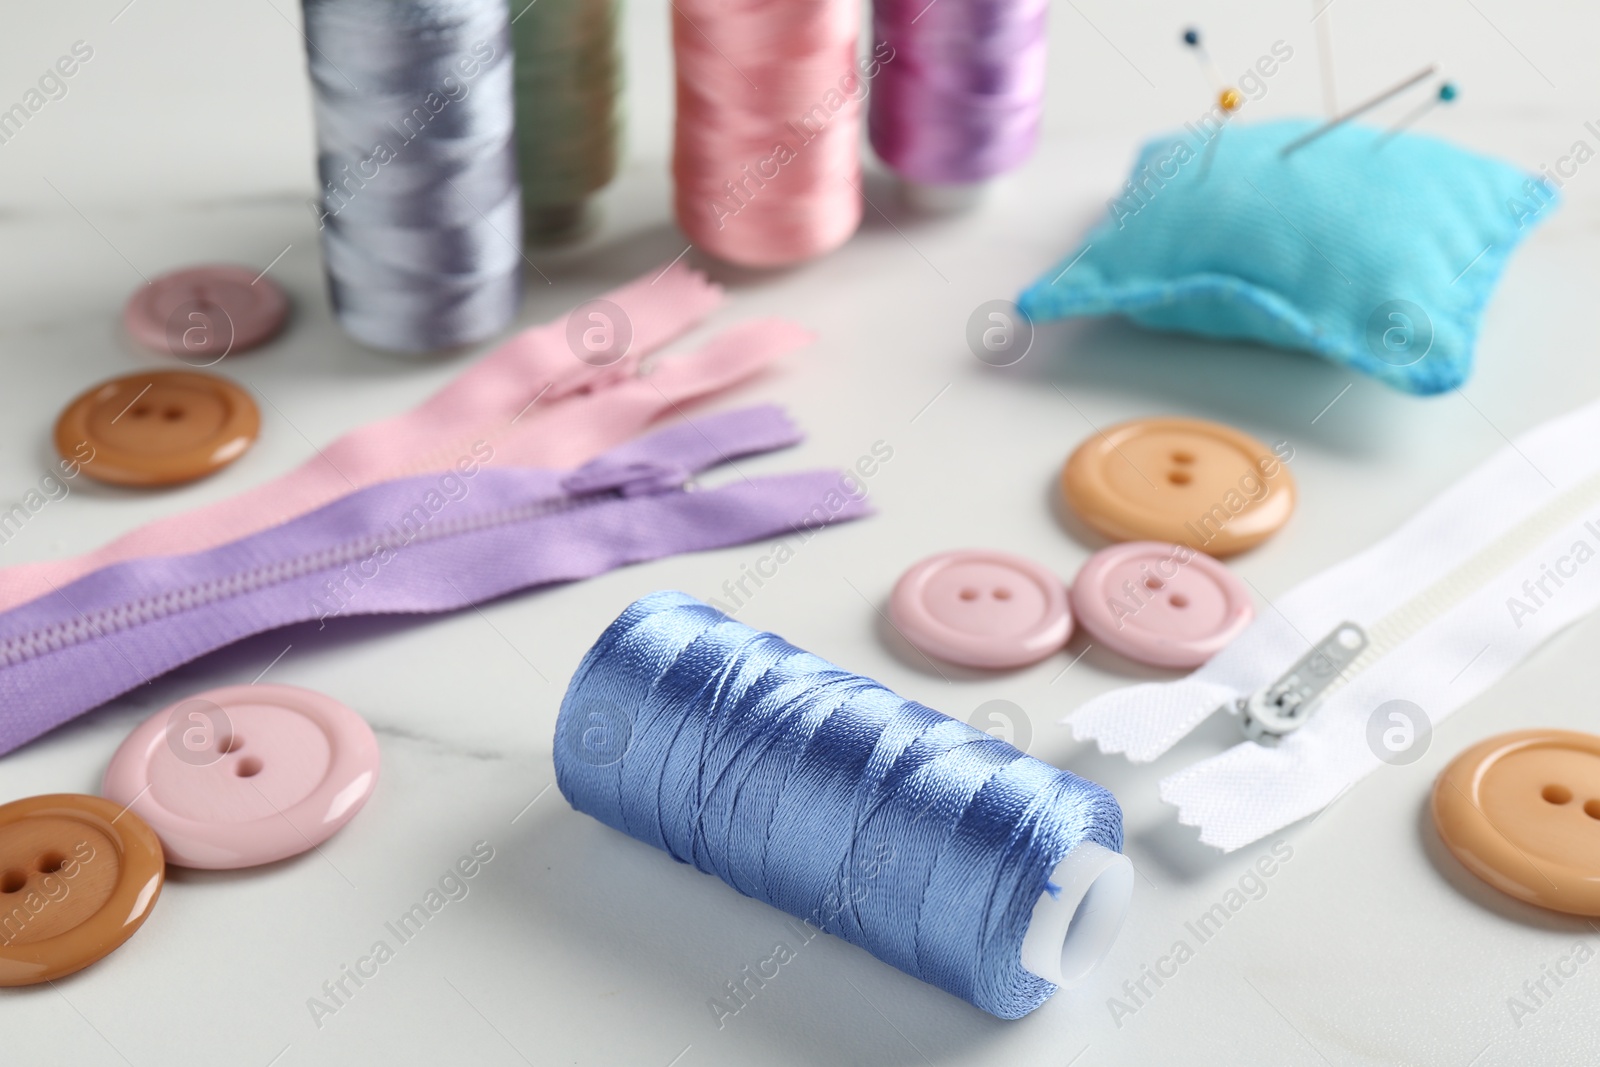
x=245 y=774
x=1160 y=604
x=981 y=608
x=201 y=314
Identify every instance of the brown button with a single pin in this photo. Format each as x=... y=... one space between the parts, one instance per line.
x=78 y=875
x=1522 y=812
x=157 y=428
x=1180 y=481
x=201 y=314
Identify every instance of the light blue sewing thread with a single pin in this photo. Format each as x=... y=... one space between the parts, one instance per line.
x=917 y=837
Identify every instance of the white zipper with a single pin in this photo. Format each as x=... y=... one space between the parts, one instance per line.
x=1282 y=707
x=1463 y=591
x=1277 y=710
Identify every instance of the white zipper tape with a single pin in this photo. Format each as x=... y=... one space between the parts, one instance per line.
x=1450 y=602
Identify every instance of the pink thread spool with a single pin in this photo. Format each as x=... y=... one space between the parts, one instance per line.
x=766 y=158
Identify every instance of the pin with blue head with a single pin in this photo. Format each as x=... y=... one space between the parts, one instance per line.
x=1446 y=94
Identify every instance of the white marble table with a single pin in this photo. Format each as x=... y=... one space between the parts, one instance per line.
x=186 y=138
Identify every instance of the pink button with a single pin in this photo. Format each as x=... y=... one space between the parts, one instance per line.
x=201 y=314
x=246 y=774
x=1160 y=604
x=982 y=609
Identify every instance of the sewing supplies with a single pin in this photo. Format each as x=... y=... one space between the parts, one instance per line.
x=1391 y=283
x=1355 y=112
x=425 y=544
x=420 y=212
x=1229 y=98
x=1522 y=812
x=157 y=428
x=568 y=76
x=246 y=774
x=1446 y=94
x=203 y=314
x=1430 y=616
x=765 y=161
x=232 y=777
x=1186 y=481
x=1163 y=605
x=532 y=402
x=1160 y=604
x=981 y=608
x=78 y=877
x=958 y=92
x=941 y=850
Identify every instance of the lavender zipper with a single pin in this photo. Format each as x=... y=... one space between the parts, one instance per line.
x=121 y=626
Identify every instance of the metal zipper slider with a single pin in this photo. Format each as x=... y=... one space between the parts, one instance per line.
x=1283 y=707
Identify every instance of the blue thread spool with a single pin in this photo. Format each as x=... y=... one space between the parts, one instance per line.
x=939 y=849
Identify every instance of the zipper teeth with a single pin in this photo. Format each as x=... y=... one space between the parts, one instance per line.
x=102 y=622
x=1405 y=621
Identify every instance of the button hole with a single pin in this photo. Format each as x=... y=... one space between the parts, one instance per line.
x=51 y=862
x=12 y=882
x=1556 y=794
x=969 y=594
x=1179 y=477
x=1002 y=593
x=172 y=415
x=1591 y=808
x=248 y=767
x=231 y=743
x=1182 y=457
x=140 y=412
x=1152 y=583
x=1178 y=600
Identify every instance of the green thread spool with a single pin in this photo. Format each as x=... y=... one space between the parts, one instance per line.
x=568 y=82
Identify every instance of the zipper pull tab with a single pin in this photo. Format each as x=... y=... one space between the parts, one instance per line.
x=1269 y=714
x=636 y=478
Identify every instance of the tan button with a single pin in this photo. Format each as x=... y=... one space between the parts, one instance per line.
x=157 y=428
x=78 y=875
x=1180 y=481
x=1522 y=812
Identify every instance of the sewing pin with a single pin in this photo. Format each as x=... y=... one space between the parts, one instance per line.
x=1324 y=24
x=1359 y=109
x=1447 y=92
x=1228 y=98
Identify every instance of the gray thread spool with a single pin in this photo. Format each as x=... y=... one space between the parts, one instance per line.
x=420 y=209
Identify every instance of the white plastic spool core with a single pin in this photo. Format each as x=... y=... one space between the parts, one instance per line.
x=942 y=199
x=1072 y=932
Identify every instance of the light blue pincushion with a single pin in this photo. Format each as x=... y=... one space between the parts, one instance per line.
x=1375 y=253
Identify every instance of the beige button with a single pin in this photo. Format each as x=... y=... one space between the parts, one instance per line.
x=1180 y=481
x=1522 y=812
x=157 y=428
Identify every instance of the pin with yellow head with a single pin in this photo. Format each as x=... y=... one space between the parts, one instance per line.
x=1228 y=98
